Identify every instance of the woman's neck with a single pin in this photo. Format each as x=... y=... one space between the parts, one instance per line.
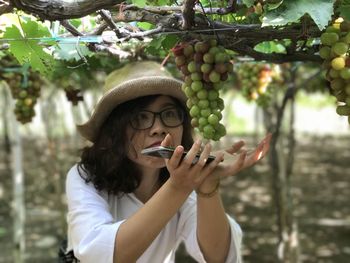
x=149 y=184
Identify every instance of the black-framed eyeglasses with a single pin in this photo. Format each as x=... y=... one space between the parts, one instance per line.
x=170 y=117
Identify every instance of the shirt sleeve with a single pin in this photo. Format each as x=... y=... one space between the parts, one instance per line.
x=91 y=227
x=188 y=233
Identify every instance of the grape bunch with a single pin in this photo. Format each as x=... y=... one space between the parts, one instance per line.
x=25 y=91
x=254 y=79
x=205 y=66
x=334 y=50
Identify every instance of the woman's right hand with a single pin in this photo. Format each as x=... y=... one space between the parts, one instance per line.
x=184 y=175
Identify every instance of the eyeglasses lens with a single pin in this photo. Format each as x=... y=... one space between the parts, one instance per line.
x=172 y=117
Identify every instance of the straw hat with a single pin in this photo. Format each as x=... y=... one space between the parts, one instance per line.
x=130 y=82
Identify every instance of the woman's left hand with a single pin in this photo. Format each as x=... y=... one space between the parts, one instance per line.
x=234 y=162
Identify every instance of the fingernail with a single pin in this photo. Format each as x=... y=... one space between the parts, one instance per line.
x=179 y=149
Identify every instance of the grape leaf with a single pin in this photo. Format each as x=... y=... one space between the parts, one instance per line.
x=28 y=50
x=139 y=3
x=270 y=47
x=69 y=51
x=169 y=41
x=292 y=10
x=145 y=25
x=344 y=9
x=161 y=44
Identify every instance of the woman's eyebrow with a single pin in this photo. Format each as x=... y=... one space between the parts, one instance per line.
x=168 y=104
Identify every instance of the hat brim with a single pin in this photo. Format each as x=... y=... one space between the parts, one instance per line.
x=127 y=91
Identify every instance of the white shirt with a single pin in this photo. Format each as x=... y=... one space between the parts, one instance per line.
x=94 y=218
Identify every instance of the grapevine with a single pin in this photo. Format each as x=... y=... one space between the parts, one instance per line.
x=254 y=79
x=335 y=52
x=205 y=66
x=72 y=93
x=25 y=89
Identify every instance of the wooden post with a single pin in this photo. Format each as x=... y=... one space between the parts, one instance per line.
x=18 y=208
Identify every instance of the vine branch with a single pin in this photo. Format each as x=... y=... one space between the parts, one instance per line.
x=179 y=20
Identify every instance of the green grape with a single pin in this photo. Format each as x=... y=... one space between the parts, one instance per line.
x=179 y=61
x=347 y=89
x=325 y=52
x=194 y=122
x=334 y=73
x=213 y=95
x=203 y=121
x=209 y=131
x=346 y=38
x=188 y=50
x=345 y=73
x=208 y=58
x=337 y=84
x=196 y=76
x=214 y=76
x=338 y=63
x=329 y=38
x=205 y=112
x=214 y=50
x=192 y=67
x=202 y=94
x=343 y=110
x=194 y=111
x=189 y=92
x=203 y=104
x=205 y=67
x=213 y=119
x=340 y=48
x=196 y=85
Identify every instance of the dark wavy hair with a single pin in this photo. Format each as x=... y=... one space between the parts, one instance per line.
x=105 y=162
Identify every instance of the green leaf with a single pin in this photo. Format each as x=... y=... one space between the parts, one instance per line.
x=169 y=41
x=145 y=25
x=28 y=50
x=71 y=51
x=157 y=2
x=270 y=47
x=75 y=22
x=139 y=3
x=161 y=44
x=248 y=3
x=291 y=11
x=344 y=9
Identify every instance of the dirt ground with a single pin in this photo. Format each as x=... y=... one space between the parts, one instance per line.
x=320 y=190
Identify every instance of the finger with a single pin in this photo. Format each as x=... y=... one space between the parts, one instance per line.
x=264 y=146
x=167 y=140
x=191 y=154
x=257 y=154
x=176 y=158
x=239 y=164
x=202 y=158
x=209 y=168
x=267 y=143
x=235 y=147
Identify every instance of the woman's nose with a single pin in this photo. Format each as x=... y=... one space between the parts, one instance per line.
x=158 y=126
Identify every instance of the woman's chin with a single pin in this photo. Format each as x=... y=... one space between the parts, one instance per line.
x=156 y=163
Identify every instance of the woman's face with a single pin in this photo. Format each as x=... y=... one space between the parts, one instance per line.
x=139 y=139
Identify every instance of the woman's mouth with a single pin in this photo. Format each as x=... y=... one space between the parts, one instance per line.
x=154 y=144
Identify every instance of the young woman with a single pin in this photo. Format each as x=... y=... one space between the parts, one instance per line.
x=124 y=206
